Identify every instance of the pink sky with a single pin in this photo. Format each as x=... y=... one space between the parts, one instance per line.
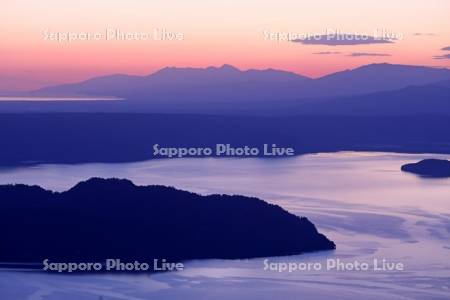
x=213 y=33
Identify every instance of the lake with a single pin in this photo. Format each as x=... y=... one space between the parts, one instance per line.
x=360 y=200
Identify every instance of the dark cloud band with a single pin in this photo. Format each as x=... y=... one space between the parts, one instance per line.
x=445 y=56
x=358 y=54
x=327 y=52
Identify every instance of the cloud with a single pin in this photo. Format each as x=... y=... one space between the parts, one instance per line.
x=342 y=39
x=358 y=54
x=424 y=34
x=446 y=48
x=327 y=52
x=445 y=56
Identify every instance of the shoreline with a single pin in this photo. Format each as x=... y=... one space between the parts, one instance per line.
x=296 y=155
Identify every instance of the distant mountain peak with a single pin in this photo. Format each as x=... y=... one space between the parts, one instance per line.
x=174 y=71
x=229 y=67
x=385 y=66
x=102 y=184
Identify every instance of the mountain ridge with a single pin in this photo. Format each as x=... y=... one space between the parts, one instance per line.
x=227 y=82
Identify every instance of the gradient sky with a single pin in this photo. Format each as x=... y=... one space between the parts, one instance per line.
x=215 y=32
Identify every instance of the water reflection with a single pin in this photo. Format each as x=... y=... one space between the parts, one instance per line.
x=362 y=201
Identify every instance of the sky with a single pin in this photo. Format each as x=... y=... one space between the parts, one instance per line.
x=108 y=37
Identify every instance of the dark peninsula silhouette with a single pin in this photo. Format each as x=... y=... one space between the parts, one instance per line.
x=100 y=219
x=437 y=168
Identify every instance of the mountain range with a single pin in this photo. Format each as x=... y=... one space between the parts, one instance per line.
x=376 y=89
x=229 y=83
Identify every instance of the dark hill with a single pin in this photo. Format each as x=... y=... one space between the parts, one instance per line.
x=438 y=168
x=111 y=218
x=107 y=137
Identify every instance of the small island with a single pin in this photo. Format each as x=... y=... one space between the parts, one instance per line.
x=434 y=168
x=102 y=219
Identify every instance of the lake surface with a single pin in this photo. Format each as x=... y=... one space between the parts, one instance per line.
x=362 y=201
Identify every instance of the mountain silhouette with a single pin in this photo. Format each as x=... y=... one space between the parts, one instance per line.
x=212 y=84
x=412 y=100
x=112 y=218
x=185 y=84
x=378 y=77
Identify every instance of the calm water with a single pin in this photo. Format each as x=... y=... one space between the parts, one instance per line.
x=362 y=201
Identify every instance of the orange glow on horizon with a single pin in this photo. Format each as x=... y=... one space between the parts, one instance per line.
x=228 y=32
